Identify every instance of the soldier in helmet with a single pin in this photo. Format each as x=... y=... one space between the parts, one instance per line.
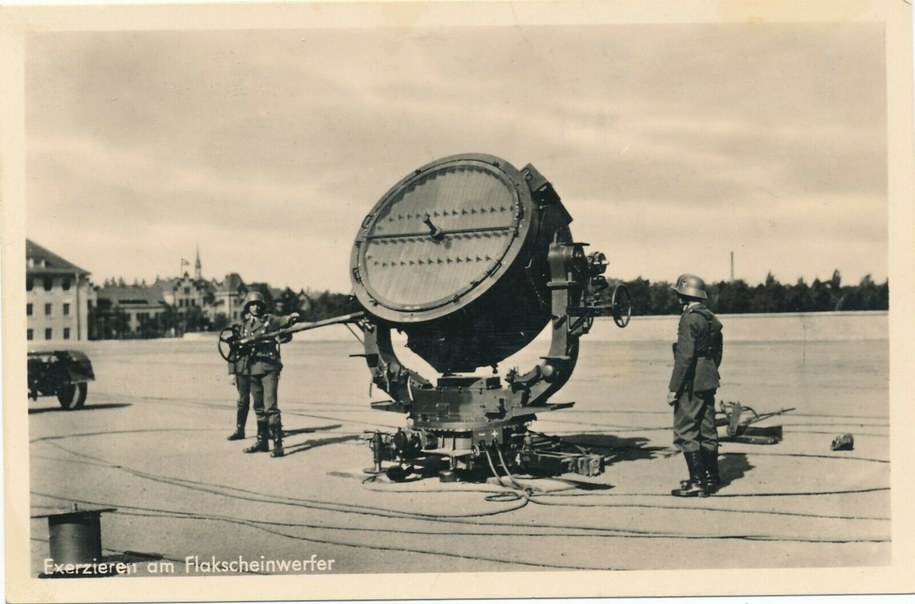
x=263 y=368
x=695 y=379
x=238 y=369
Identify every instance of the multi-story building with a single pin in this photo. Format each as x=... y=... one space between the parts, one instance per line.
x=228 y=297
x=58 y=296
x=132 y=310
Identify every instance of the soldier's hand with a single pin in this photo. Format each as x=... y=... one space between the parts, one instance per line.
x=671 y=398
x=294 y=317
x=232 y=379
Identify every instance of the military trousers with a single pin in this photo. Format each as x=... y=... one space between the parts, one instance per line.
x=694 y=422
x=263 y=391
x=243 y=384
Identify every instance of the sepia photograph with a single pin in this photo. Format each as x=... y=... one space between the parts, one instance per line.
x=424 y=300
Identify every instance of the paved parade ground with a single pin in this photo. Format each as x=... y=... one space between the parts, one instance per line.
x=151 y=442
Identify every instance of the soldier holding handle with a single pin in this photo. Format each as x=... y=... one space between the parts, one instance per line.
x=263 y=367
x=695 y=379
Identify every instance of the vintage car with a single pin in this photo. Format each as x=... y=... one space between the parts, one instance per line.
x=61 y=373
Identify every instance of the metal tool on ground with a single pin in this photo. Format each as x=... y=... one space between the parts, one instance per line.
x=739 y=420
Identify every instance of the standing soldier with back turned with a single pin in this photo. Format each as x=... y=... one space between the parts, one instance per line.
x=263 y=369
x=697 y=355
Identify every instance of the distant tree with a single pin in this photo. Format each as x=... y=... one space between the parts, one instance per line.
x=731 y=297
x=220 y=321
x=640 y=292
x=107 y=322
x=167 y=321
x=195 y=320
x=326 y=305
x=799 y=298
x=867 y=295
x=148 y=327
x=289 y=302
x=663 y=300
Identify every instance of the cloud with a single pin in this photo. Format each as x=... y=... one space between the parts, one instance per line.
x=760 y=138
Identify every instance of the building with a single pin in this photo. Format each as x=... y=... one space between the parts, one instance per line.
x=58 y=296
x=228 y=296
x=130 y=310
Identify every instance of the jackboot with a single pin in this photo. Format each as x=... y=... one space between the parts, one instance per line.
x=695 y=487
x=262 y=444
x=277 y=431
x=712 y=477
x=241 y=418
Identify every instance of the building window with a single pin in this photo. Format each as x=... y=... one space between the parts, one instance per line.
x=187 y=291
x=65 y=284
x=66 y=309
x=28 y=309
x=48 y=333
x=47 y=309
x=29 y=334
x=48 y=284
x=29 y=284
x=66 y=333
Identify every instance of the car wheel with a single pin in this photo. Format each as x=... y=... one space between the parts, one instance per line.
x=82 y=389
x=65 y=395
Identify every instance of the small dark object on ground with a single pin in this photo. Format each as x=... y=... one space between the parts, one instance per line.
x=843 y=442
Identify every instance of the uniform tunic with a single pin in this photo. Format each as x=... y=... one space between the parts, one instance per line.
x=263 y=366
x=695 y=379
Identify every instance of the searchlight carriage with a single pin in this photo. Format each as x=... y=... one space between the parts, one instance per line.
x=471 y=258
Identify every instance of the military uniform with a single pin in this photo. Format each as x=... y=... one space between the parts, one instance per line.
x=239 y=370
x=693 y=384
x=263 y=366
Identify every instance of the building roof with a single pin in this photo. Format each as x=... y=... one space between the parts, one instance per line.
x=233 y=282
x=173 y=283
x=45 y=261
x=131 y=295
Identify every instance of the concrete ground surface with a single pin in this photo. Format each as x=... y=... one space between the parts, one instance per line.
x=151 y=442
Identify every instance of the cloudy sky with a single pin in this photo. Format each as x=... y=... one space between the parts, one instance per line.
x=671 y=145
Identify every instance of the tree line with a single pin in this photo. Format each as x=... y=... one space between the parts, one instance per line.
x=770 y=296
x=108 y=322
x=648 y=298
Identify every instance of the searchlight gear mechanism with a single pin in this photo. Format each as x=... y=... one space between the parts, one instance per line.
x=471 y=259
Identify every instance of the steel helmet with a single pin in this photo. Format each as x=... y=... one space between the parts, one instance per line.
x=253 y=297
x=690 y=286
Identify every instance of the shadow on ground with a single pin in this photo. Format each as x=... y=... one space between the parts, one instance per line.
x=81 y=409
x=313 y=444
x=732 y=466
x=615 y=448
x=310 y=430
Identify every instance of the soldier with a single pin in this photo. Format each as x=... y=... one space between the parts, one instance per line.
x=695 y=379
x=263 y=368
x=239 y=372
